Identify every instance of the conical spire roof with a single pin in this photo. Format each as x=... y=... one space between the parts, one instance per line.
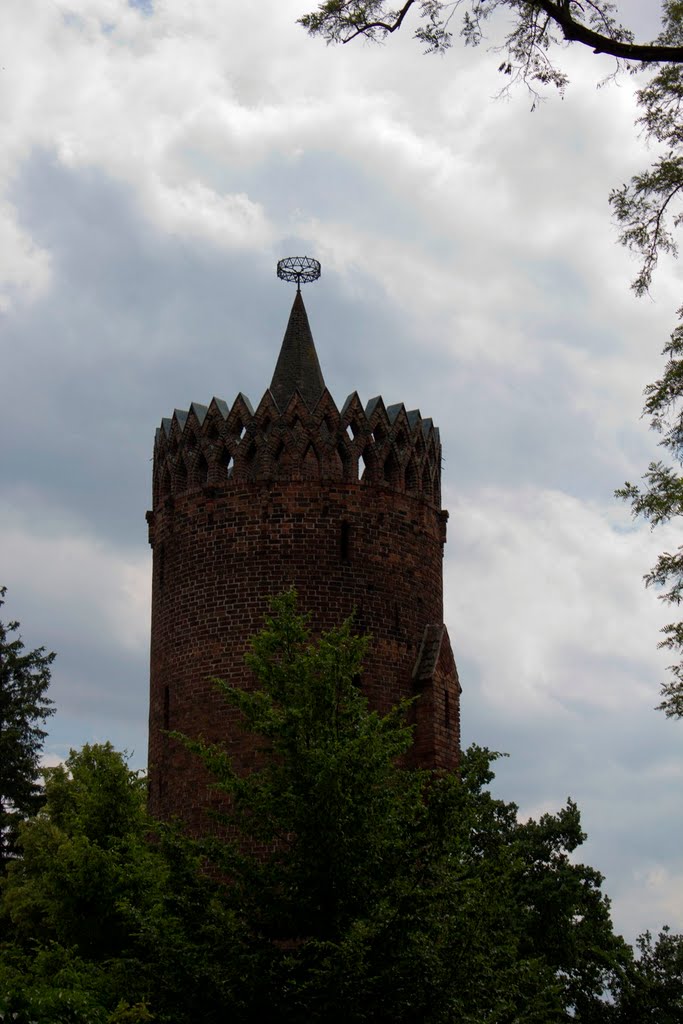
x=297 y=366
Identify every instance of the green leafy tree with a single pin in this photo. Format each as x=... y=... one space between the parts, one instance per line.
x=24 y=706
x=105 y=917
x=339 y=883
x=650 y=990
x=660 y=499
x=362 y=890
x=84 y=860
x=648 y=210
x=83 y=856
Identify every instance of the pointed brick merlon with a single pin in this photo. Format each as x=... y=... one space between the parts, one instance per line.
x=224 y=446
x=297 y=367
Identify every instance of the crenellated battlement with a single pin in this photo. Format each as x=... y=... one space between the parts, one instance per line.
x=220 y=446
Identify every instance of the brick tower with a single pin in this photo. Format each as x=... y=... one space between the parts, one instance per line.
x=343 y=504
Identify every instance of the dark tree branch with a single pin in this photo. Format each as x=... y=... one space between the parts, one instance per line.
x=388 y=27
x=559 y=11
x=575 y=32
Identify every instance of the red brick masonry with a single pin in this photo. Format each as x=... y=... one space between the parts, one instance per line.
x=345 y=506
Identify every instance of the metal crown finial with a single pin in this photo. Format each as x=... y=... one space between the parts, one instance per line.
x=299 y=269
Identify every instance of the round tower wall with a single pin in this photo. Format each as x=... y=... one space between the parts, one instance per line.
x=342 y=506
x=219 y=558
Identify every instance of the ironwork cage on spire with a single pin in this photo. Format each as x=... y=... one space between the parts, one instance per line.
x=299 y=270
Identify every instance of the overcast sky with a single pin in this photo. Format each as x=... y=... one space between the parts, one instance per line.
x=157 y=159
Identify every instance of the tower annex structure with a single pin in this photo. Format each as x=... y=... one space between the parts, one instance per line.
x=342 y=503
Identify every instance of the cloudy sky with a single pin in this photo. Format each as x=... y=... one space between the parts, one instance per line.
x=157 y=158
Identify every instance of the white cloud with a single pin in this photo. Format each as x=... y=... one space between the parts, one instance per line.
x=24 y=266
x=653 y=897
x=557 y=582
x=92 y=587
x=194 y=209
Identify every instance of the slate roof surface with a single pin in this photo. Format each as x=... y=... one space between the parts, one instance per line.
x=297 y=366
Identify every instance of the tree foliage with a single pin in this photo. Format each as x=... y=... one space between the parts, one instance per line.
x=24 y=706
x=368 y=891
x=651 y=987
x=339 y=884
x=105 y=918
x=649 y=209
x=649 y=206
x=530 y=30
x=661 y=500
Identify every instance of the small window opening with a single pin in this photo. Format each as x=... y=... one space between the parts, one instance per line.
x=227 y=463
x=411 y=477
x=181 y=477
x=250 y=461
x=390 y=469
x=426 y=482
x=167 y=708
x=345 y=543
x=338 y=462
x=161 y=571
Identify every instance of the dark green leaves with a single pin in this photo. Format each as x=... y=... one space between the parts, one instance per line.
x=24 y=706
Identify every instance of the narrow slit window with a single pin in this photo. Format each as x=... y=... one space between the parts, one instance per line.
x=162 y=566
x=167 y=708
x=446 y=709
x=345 y=543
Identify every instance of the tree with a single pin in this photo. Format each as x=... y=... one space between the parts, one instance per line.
x=363 y=890
x=339 y=885
x=83 y=860
x=531 y=28
x=642 y=208
x=104 y=918
x=24 y=679
x=647 y=209
x=651 y=988
x=661 y=499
